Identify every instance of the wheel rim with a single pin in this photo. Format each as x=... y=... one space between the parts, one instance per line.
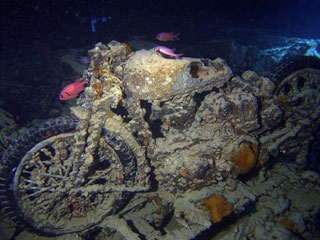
x=45 y=195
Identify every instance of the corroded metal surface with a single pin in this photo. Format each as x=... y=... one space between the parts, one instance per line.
x=148 y=76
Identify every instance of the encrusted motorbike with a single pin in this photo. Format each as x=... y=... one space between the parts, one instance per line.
x=152 y=141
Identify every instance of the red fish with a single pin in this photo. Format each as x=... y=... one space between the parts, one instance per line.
x=168 y=36
x=73 y=89
x=167 y=51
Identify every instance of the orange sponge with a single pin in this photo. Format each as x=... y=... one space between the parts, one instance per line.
x=246 y=157
x=218 y=206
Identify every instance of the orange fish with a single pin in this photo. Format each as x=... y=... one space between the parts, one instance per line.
x=168 y=36
x=73 y=89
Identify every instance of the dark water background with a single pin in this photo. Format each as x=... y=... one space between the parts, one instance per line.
x=60 y=24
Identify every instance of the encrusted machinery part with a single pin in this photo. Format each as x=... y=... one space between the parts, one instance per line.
x=37 y=184
x=96 y=108
x=198 y=127
x=58 y=182
x=297 y=96
x=149 y=76
x=234 y=128
x=291 y=65
x=14 y=154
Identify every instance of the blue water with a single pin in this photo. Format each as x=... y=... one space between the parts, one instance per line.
x=68 y=23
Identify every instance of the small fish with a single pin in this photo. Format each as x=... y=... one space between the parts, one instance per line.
x=167 y=51
x=167 y=36
x=73 y=89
